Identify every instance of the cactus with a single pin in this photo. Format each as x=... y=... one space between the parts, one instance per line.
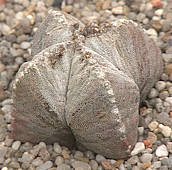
x=84 y=84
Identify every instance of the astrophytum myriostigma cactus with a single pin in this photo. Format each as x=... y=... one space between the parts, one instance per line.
x=84 y=84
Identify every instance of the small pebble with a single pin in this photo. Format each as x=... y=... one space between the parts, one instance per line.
x=168 y=69
x=146 y=157
x=156 y=165
x=37 y=162
x=16 y=145
x=152 y=32
x=44 y=154
x=45 y=166
x=89 y=155
x=167 y=57
x=59 y=160
x=169 y=147
x=63 y=167
x=81 y=165
x=139 y=147
x=26 y=157
x=164 y=77
x=153 y=93
x=145 y=165
x=152 y=137
x=133 y=160
x=118 y=10
x=25 y=45
x=141 y=130
x=153 y=125
x=159 y=12
x=165 y=130
x=5 y=29
x=160 y=85
x=100 y=158
x=163 y=95
x=161 y=151
x=93 y=164
x=78 y=154
x=57 y=148
x=169 y=100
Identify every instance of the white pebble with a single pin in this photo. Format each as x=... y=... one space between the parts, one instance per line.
x=159 y=12
x=19 y=15
x=145 y=21
x=118 y=10
x=37 y=162
x=169 y=100
x=153 y=93
x=152 y=32
x=59 y=160
x=165 y=130
x=156 y=18
x=26 y=157
x=160 y=85
x=5 y=29
x=156 y=165
x=153 y=125
x=4 y=168
x=57 y=148
x=139 y=147
x=100 y=158
x=18 y=1
x=25 y=45
x=141 y=130
x=149 y=6
x=42 y=145
x=16 y=145
x=161 y=151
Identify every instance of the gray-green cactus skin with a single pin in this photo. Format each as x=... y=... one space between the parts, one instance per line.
x=84 y=84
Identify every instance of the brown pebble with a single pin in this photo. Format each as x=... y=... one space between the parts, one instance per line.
x=157 y=25
x=65 y=154
x=118 y=163
x=106 y=165
x=168 y=69
x=44 y=154
x=145 y=165
x=68 y=8
x=106 y=4
x=169 y=146
x=118 y=10
x=83 y=159
x=171 y=114
x=2 y=67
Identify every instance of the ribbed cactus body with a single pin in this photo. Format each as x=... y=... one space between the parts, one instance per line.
x=84 y=84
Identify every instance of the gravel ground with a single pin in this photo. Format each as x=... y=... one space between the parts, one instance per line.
x=19 y=20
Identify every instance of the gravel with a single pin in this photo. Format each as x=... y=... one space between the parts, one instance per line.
x=19 y=20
